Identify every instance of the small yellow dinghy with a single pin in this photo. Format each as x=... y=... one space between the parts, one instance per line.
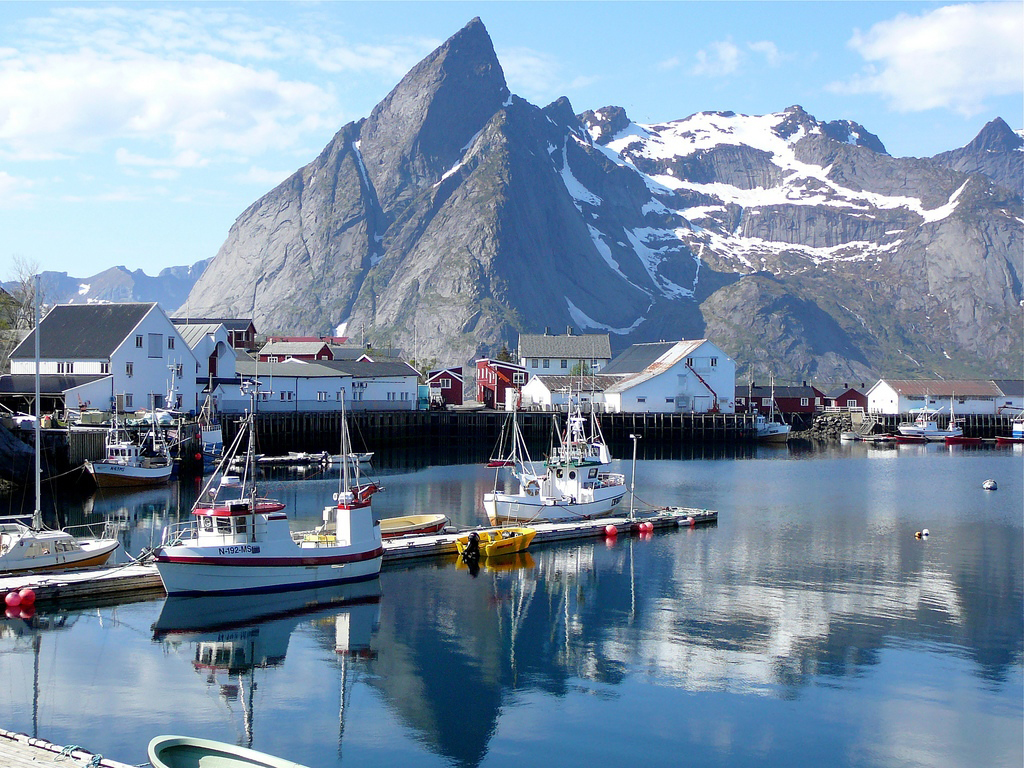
x=493 y=542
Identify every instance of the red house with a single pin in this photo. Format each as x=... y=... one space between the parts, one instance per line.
x=788 y=399
x=847 y=398
x=493 y=380
x=445 y=387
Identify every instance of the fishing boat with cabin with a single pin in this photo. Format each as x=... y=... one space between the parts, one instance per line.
x=240 y=542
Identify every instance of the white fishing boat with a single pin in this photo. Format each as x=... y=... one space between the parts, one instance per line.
x=128 y=463
x=926 y=425
x=191 y=752
x=768 y=430
x=29 y=545
x=238 y=542
x=572 y=485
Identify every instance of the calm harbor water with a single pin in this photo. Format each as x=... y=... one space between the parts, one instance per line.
x=809 y=627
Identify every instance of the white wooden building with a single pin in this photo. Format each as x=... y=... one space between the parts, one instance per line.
x=302 y=387
x=94 y=353
x=546 y=393
x=693 y=376
x=958 y=396
x=544 y=354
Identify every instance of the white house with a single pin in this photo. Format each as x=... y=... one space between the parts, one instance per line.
x=305 y=386
x=94 y=352
x=543 y=354
x=672 y=377
x=215 y=357
x=553 y=392
x=958 y=396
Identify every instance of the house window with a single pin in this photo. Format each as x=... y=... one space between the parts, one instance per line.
x=156 y=345
x=565 y=363
x=444 y=383
x=138 y=341
x=641 y=399
x=804 y=401
x=170 y=342
x=105 y=367
x=272 y=359
x=321 y=396
x=851 y=403
x=60 y=367
x=405 y=395
x=547 y=363
x=391 y=395
x=129 y=401
x=689 y=362
x=179 y=370
x=129 y=369
x=357 y=395
x=519 y=377
x=533 y=362
x=670 y=399
x=714 y=362
x=817 y=401
x=741 y=401
x=766 y=402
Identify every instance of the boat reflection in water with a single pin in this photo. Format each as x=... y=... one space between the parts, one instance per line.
x=234 y=635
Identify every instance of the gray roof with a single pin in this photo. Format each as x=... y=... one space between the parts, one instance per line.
x=342 y=352
x=193 y=333
x=1010 y=387
x=577 y=384
x=324 y=369
x=231 y=323
x=83 y=331
x=637 y=357
x=293 y=347
x=49 y=384
x=675 y=351
x=589 y=346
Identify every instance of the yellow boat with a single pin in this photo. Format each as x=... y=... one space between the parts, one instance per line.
x=498 y=541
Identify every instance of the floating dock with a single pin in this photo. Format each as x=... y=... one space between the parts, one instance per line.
x=139 y=580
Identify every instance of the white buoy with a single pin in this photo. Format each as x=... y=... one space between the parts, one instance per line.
x=989 y=485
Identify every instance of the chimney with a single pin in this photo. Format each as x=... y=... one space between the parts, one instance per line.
x=547 y=330
x=845 y=385
x=568 y=330
x=805 y=383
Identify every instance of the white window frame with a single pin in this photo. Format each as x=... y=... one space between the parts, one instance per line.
x=129 y=369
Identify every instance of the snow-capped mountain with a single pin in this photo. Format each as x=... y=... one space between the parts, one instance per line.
x=457 y=215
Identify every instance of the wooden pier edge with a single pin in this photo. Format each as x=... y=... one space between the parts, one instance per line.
x=19 y=750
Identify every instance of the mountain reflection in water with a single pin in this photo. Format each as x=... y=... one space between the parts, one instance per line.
x=809 y=627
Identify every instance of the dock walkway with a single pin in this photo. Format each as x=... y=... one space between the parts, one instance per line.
x=136 y=581
x=18 y=750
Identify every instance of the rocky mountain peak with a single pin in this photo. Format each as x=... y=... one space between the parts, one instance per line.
x=996 y=136
x=419 y=131
x=605 y=123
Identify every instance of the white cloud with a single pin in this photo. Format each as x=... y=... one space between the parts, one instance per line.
x=718 y=59
x=769 y=50
x=538 y=76
x=953 y=57
x=189 y=80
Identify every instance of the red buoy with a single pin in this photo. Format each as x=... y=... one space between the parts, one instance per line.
x=28 y=597
x=611 y=530
x=13 y=599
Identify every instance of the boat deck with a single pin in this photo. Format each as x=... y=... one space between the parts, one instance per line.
x=137 y=581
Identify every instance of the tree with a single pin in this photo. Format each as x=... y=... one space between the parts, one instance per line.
x=504 y=355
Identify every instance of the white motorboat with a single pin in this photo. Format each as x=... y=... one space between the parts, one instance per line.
x=573 y=484
x=29 y=546
x=238 y=542
x=926 y=425
x=129 y=464
x=767 y=429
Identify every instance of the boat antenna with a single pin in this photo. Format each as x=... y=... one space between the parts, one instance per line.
x=37 y=513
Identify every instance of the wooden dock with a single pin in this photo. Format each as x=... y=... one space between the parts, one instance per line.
x=138 y=581
x=20 y=751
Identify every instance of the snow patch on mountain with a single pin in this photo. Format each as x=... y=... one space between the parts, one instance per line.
x=578 y=192
x=83 y=289
x=584 y=321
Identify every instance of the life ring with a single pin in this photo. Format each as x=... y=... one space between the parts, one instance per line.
x=532 y=488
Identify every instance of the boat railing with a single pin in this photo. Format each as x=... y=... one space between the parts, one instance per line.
x=178 y=532
x=612 y=478
x=108 y=529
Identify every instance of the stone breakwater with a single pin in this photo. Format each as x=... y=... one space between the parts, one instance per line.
x=826 y=426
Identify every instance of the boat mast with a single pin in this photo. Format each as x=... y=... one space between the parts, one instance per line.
x=37 y=513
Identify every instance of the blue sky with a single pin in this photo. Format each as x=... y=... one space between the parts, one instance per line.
x=135 y=133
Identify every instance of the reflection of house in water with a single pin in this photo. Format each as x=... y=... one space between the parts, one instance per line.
x=235 y=635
